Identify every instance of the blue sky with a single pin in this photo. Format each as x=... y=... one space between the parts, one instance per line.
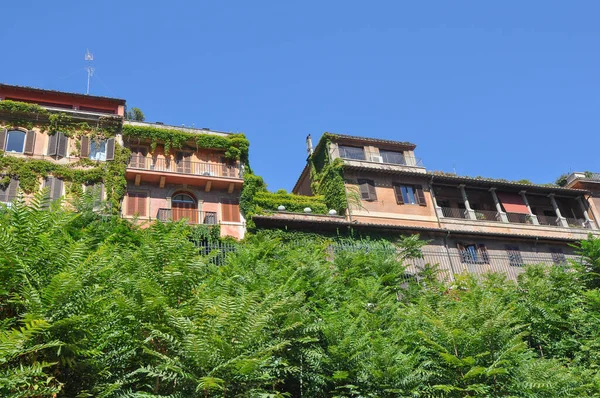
x=505 y=90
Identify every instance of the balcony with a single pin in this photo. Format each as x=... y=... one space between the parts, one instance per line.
x=387 y=158
x=519 y=218
x=192 y=216
x=454 y=212
x=185 y=167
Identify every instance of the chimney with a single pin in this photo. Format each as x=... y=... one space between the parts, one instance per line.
x=309 y=147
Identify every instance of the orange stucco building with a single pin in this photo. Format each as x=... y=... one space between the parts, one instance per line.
x=472 y=224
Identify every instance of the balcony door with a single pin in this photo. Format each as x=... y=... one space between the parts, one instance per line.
x=138 y=157
x=184 y=206
x=184 y=162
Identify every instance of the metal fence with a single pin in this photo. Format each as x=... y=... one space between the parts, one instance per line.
x=447 y=263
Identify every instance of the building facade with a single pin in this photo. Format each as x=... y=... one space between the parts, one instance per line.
x=472 y=224
x=200 y=185
x=71 y=142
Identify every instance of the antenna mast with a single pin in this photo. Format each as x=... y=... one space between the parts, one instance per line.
x=90 y=71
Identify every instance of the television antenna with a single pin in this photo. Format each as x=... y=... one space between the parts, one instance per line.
x=90 y=71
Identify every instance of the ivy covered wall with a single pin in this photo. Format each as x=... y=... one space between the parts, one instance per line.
x=235 y=146
x=327 y=176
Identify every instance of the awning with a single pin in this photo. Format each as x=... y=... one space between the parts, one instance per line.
x=512 y=203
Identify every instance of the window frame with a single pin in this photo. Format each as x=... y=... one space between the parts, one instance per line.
x=8 y=134
x=473 y=253
x=93 y=144
x=515 y=259
x=418 y=194
x=384 y=152
x=342 y=152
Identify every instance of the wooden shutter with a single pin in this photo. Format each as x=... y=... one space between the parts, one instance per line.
x=52 y=140
x=11 y=190
x=137 y=204
x=230 y=210
x=420 y=195
x=85 y=147
x=29 y=142
x=57 y=187
x=2 y=139
x=398 y=192
x=61 y=144
x=110 y=149
x=372 y=193
x=367 y=189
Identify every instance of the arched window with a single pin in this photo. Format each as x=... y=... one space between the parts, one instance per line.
x=15 y=141
x=183 y=198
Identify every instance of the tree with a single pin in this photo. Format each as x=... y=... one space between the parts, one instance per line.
x=135 y=114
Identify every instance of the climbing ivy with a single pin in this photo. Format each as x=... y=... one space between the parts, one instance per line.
x=236 y=146
x=15 y=113
x=30 y=172
x=327 y=177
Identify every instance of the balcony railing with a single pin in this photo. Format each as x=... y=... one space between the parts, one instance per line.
x=548 y=220
x=185 y=167
x=519 y=218
x=454 y=212
x=487 y=215
x=576 y=222
x=192 y=216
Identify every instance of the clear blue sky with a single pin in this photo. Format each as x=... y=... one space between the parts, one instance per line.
x=509 y=90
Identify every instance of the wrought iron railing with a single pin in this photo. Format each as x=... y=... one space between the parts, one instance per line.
x=519 y=218
x=576 y=222
x=454 y=212
x=184 y=167
x=192 y=216
x=547 y=220
x=487 y=215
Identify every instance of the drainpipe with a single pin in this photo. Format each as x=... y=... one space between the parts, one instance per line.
x=438 y=210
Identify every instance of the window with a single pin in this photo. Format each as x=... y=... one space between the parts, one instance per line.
x=15 y=141
x=409 y=194
x=367 y=189
x=98 y=150
x=514 y=256
x=473 y=253
x=352 y=152
x=392 y=157
x=558 y=256
x=137 y=204
x=230 y=210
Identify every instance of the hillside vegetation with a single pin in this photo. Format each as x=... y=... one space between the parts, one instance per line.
x=91 y=306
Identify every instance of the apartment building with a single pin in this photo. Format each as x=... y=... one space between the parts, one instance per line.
x=472 y=224
x=185 y=173
x=200 y=185
x=56 y=127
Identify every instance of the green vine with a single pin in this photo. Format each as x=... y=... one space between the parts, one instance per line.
x=30 y=172
x=16 y=113
x=235 y=146
x=327 y=177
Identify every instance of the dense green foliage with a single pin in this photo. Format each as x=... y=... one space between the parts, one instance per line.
x=236 y=146
x=93 y=306
x=135 y=114
x=16 y=113
x=256 y=199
